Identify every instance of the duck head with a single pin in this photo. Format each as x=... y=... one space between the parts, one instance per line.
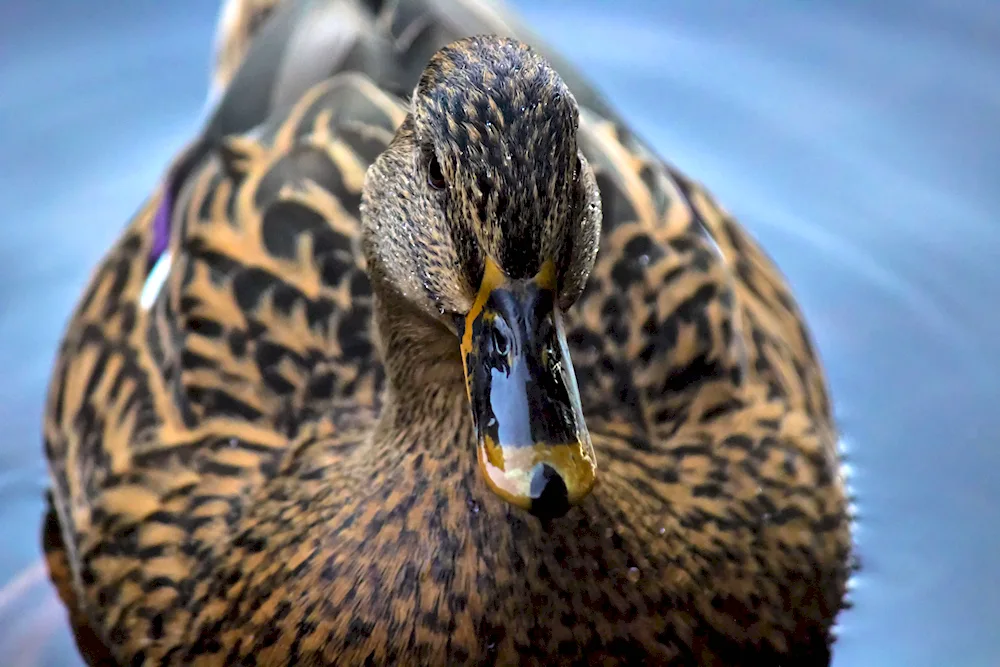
x=485 y=216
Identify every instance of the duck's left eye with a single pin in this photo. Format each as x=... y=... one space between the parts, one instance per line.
x=435 y=177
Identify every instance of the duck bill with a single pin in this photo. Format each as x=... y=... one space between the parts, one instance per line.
x=533 y=445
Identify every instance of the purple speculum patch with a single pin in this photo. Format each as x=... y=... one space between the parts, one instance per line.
x=161 y=226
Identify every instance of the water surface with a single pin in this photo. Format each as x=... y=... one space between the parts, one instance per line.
x=858 y=142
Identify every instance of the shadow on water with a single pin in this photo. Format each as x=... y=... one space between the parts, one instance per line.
x=857 y=141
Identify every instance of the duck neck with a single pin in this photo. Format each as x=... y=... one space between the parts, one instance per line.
x=425 y=400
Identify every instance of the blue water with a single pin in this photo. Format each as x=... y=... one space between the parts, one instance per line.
x=858 y=141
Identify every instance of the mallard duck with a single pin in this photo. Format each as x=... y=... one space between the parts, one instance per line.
x=428 y=359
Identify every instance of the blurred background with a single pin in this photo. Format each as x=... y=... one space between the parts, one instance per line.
x=859 y=142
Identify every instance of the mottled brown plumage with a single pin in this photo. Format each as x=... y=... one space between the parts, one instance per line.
x=276 y=462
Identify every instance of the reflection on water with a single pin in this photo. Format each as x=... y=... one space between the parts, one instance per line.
x=858 y=142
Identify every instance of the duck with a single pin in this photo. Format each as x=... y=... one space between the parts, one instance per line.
x=418 y=355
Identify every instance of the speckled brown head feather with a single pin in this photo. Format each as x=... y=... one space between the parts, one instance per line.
x=503 y=127
x=491 y=168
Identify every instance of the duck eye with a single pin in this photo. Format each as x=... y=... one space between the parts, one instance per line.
x=435 y=177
